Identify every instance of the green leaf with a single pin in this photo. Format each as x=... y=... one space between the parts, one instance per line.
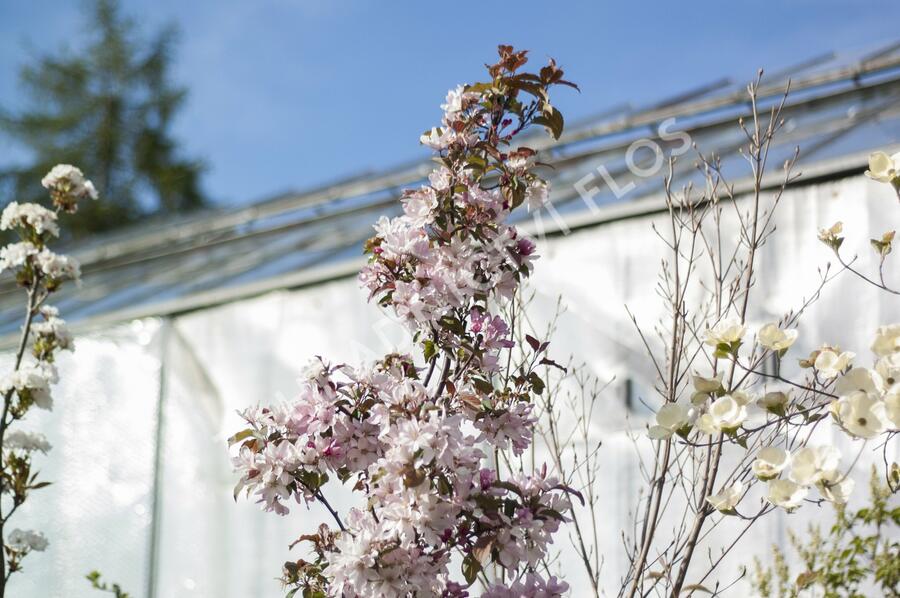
x=804 y=580
x=470 y=568
x=552 y=119
x=452 y=324
x=483 y=385
x=537 y=385
x=243 y=434
x=430 y=350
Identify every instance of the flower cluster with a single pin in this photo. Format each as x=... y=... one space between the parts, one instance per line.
x=67 y=185
x=27 y=540
x=809 y=466
x=27 y=441
x=40 y=272
x=30 y=258
x=868 y=402
x=866 y=405
x=414 y=436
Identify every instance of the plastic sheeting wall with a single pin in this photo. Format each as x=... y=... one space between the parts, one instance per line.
x=99 y=513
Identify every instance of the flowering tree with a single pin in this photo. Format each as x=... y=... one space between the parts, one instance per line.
x=734 y=437
x=414 y=436
x=39 y=272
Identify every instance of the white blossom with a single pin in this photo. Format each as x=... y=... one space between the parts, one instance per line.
x=536 y=195
x=728 y=498
x=90 y=190
x=54 y=328
x=888 y=367
x=419 y=206
x=27 y=441
x=862 y=379
x=59 y=267
x=30 y=215
x=770 y=461
x=829 y=363
x=26 y=540
x=69 y=179
x=811 y=464
x=860 y=413
x=887 y=340
x=774 y=338
x=775 y=401
x=15 y=255
x=728 y=330
x=437 y=138
x=670 y=418
x=882 y=167
x=456 y=100
x=33 y=379
x=743 y=397
x=786 y=494
x=707 y=385
x=725 y=415
x=835 y=487
x=892 y=408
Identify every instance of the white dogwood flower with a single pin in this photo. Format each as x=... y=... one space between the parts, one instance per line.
x=774 y=338
x=786 y=494
x=774 y=402
x=727 y=330
x=811 y=464
x=743 y=397
x=726 y=500
x=887 y=340
x=707 y=385
x=829 y=363
x=704 y=387
x=888 y=367
x=770 y=461
x=725 y=415
x=882 y=167
x=860 y=414
x=670 y=418
x=835 y=487
x=862 y=379
x=892 y=408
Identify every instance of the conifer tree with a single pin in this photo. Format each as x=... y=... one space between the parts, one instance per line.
x=108 y=107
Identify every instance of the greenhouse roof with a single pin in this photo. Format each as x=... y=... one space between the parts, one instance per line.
x=839 y=109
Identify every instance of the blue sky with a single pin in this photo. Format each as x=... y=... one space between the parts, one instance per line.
x=289 y=94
